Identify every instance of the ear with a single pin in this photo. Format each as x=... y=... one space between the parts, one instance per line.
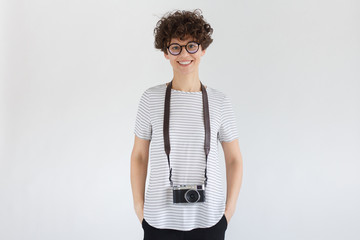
x=203 y=52
x=166 y=56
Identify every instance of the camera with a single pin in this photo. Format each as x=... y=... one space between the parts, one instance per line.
x=188 y=193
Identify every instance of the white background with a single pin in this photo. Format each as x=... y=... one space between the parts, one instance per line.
x=72 y=73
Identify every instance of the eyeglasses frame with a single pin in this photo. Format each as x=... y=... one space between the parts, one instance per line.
x=181 y=47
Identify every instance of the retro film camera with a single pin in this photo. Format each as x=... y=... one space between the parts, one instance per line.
x=188 y=193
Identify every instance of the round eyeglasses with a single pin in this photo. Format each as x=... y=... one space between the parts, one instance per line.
x=191 y=47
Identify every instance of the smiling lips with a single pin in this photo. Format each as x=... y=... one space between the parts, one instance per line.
x=185 y=63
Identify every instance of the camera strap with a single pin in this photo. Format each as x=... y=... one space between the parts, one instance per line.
x=167 y=123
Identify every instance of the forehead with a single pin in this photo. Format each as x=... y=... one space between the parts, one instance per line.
x=184 y=41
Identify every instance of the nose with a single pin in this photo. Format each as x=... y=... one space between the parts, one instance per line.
x=183 y=51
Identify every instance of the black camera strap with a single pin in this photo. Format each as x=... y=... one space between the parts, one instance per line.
x=167 y=123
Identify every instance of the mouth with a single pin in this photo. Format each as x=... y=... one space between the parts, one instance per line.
x=185 y=63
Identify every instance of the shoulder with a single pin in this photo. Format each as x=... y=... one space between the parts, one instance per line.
x=159 y=88
x=216 y=92
x=217 y=95
x=150 y=91
x=156 y=88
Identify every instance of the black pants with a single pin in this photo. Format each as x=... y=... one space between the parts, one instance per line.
x=216 y=232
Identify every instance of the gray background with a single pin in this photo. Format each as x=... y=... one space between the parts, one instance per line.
x=72 y=73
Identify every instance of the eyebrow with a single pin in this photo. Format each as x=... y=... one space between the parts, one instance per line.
x=186 y=43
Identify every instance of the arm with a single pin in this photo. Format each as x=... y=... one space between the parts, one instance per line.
x=234 y=173
x=138 y=173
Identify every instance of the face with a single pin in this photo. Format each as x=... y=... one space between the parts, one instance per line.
x=185 y=56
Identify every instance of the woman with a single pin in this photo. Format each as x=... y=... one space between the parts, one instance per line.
x=195 y=112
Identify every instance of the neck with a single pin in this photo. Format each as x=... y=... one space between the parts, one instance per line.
x=186 y=83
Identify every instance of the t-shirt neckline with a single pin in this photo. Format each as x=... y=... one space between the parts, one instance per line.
x=179 y=91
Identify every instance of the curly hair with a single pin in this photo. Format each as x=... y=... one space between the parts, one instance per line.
x=180 y=24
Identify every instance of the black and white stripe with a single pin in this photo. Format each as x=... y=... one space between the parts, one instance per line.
x=187 y=156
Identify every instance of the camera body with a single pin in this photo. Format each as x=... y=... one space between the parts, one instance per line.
x=189 y=193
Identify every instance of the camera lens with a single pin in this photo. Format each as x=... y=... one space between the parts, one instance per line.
x=192 y=196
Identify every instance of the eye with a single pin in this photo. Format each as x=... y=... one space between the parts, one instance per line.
x=174 y=47
x=191 y=45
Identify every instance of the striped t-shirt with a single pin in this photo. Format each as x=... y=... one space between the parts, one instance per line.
x=187 y=155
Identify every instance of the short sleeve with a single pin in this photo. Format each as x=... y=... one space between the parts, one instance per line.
x=143 y=128
x=228 y=128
